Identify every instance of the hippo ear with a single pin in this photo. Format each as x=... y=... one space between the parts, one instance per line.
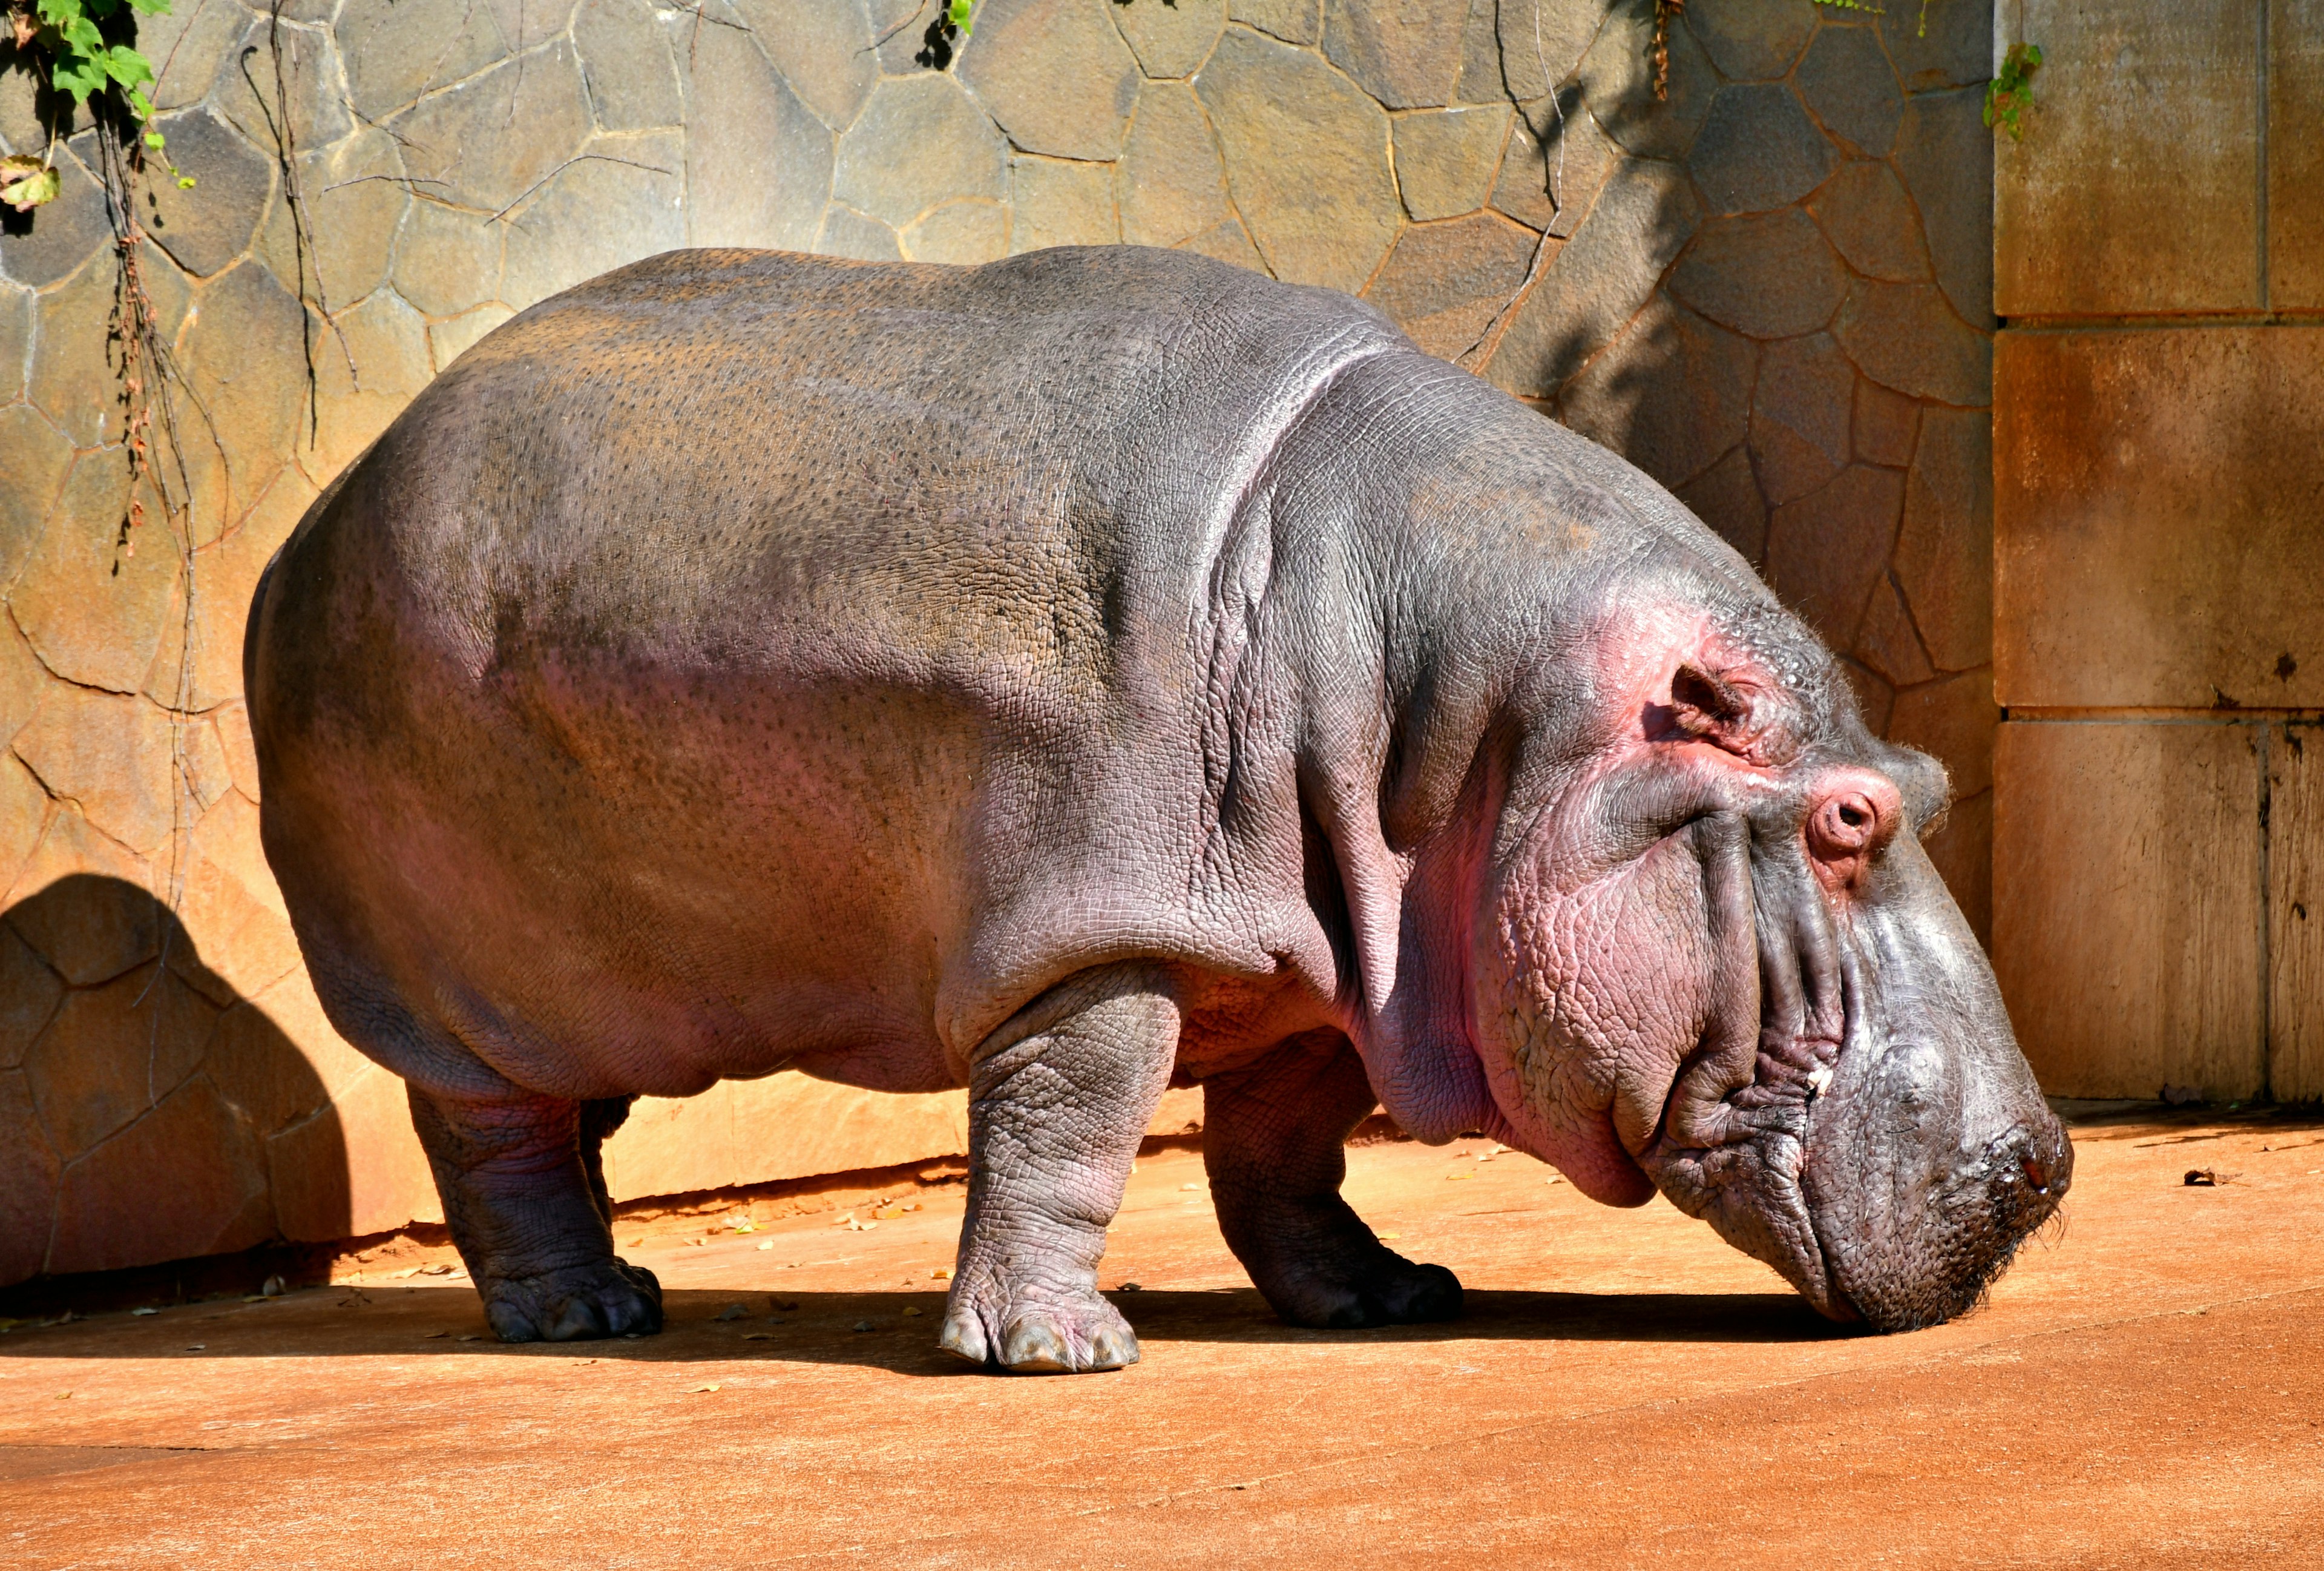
x=1729 y=710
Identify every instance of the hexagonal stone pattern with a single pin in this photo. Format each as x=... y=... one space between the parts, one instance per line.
x=1055 y=73
x=1307 y=158
x=1808 y=372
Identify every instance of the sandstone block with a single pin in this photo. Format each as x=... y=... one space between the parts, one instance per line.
x=1768 y=275
x=1618 y=81
x=1550 y=180
x=1944 y=557
x=17 y=315
x=394 y=50
x=1873 y=696
x=2154 y=549
x=112 y=1052
x=964 y=233
x=1865 y=211
x=1725 y=497
x=226 y=576
x=207 y=227
x=29 y=994
x=84 y=904
x=248 y=94
x=1171 y=42
x=620 y=202
x=1961 y=848
x=1445 y=284
x=248 y=320
x=1292 y=20
x=89 y=623
x=1307 y=159
x=1847 y=80
x=2130 y=107
x=625 y=59
x=24 y=811
x=459 y=137
x=237 y=940
x=28 y=1183
x=1672 y=394
x=23 y=682
x=1800 y=414
x=920 y=141
x=2295 y=913
x=1054 y=202
x=447 y=261
x=1229 y=242
x=448 y=340
x=1170 y=183
x=1905 y=336
x=1601 y=279
x=1054 y=74
x=208 y=776
x=111 y=1213
x=261 y=1071
x=2295 y=160
x=355 y=196
x=1952 y=720
x=848 y=233
x=1945 y=154
x=63 y=233
x=1406 y=53
x=1890 y=644
x=1757 y=42
x=1941 y=46
x=233 y=722
x=524 y=24
x=110 y=755
x=386 y=342
x=354 y=1168
x=1758 y=149
x=1826 y=550
x=1886 y=426
x=1523 y=49
x=1445 y=159
x=784 y=1126
x=74 y=381
x=823 y=50
x=190 y=47
x=35 y=456
x=2125 y=905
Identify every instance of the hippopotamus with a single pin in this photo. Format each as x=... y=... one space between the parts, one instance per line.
x=1066 y=677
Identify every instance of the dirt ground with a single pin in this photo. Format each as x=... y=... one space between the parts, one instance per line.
x=2145 y=1389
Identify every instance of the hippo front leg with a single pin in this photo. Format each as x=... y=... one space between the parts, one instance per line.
x=1058 y=1099
x=524 y=1193
x=1274 y=1142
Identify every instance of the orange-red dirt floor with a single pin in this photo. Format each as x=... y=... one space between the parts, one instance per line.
x=2145 y=1387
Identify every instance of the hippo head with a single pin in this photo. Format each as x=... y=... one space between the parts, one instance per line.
x=1715 y=961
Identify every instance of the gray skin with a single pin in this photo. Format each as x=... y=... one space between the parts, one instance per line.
x=1063 y=676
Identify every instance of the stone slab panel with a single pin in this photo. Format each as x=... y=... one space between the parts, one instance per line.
x=1890 y=644
x=25 y=808
x=205 y=229
x=621 y=202
x=1849 y=86
x=1952 y=720
x=962 y=234
x=1601 y=280
x=1406 y=53
x=29 y=995
x=447 y=261
x=1229 y=242
x=1943 y=43
x=1826 y=550
x=1758 y=149
x=625 y=59
x=1906 y=337
x=395 y=51
x=353 y=1168
x=1943 y=150
x=36 y=457
x=189 y=45
x=28 y=1183
x=1053 y=201
x=1618 y=82
x=355 y=193
x=90 y=624
x=1768 y=275
x=2145 y=124
x=1757 y=42
x=74 y=380
x=1055 y=73
x=848 y=233
x=1672 y=394
x=1865 y=211
x=1292 y=20
x=112 y=1214
x=17 y=314
x=1307 y=161
x=2156 y=516
x=84 y=904
x=785 y=1126
x=1800 y=412
x=1961 y=848
x=1170 y=183
x=112 y=1052
x=2295 y=156
x=246 y=319
x=1522 y=49
x=1171 y=42
x=2295 y=913
x=1445 y=159
x=1554 y=166
x=1725 y=497
x=823 y=48
x=920 y=141
x=24 y=681
x=1944 y=555
x=1444 y=283
x=462 y=137
x=370 y=361
x=110 y=755
x=1886 y=426
x=64 y=231
x=2126 y=904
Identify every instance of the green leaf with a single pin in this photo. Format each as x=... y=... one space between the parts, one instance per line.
x=185 y=182
x=25 y=183
x=58 y=14
x=125 y=66
x=77 y=74
x=150 y=7
x=143 y=106
x=156 y=141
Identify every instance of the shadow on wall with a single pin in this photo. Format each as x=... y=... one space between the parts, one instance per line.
x=147 y=1113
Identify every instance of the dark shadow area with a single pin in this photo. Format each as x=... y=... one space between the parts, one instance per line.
x=823 y=1327
x=150 y=1114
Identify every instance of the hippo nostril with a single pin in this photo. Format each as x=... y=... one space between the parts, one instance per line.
x=2035 y=1176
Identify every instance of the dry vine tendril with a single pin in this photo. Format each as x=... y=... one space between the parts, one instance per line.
x=83 y=64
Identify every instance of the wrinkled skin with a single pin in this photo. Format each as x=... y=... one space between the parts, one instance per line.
x=1061 y=675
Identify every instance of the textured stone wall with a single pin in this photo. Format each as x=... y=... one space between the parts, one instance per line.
x=1771 y=288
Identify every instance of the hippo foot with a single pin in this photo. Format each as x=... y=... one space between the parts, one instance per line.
x=609 y=1298
x=1052 y=1332
x=1394 y=1292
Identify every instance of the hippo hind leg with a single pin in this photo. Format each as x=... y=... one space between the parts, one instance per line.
x=1274 y=1142
x=524 y=1191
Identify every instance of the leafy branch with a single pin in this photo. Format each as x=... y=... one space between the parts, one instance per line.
x=2011 y=92
x=82 y=64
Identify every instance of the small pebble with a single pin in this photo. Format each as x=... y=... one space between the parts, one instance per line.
x=864 y=1324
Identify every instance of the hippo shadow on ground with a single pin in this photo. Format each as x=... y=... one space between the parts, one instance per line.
x=402 y=1322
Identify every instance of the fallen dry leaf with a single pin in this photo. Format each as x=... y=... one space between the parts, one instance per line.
x=732 y=1312
x=758 y=1336
x=911 y=1312
x=1450 y=1177
x=769 y=1244
x=435 y=1335
x=942 y=1273
x=699 y=1389
x=1387 y=1237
